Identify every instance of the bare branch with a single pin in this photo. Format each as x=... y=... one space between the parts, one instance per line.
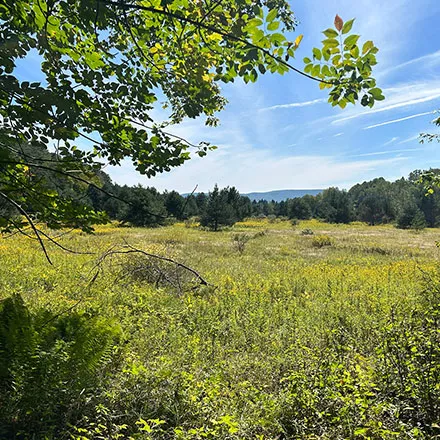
x=56 y=243
x=187 y=200
x=211 y=9
x=79 y=179
x=129 y=249
x=175 y=136
x=31 y=223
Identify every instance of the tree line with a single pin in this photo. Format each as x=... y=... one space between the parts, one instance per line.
x=403 y=202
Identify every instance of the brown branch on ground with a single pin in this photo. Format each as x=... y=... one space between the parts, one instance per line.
x=152 y=268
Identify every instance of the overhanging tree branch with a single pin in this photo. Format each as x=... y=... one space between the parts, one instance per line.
x=15 y=96
x=226 y=35
x=79 y=179
x=31 y=223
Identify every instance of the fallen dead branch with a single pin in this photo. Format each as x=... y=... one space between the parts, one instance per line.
x=141 y=265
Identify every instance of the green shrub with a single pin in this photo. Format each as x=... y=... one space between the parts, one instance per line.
x=307 y=232
x=376 y=250
x=321 y=240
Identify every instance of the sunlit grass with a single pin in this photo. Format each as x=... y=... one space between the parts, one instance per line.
x=273 y=316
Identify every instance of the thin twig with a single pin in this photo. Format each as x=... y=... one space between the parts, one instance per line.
x=31 y=223
x=187 y=200
x=63 y=247
x=102 y=144
x=79 y=179
x=211 y=9
x=149 y=127
x=141 y=51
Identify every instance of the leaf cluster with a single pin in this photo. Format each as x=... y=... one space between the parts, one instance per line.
x=345 y=66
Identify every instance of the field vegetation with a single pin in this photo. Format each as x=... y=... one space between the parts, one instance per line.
x=264 y=329
x=332 y=333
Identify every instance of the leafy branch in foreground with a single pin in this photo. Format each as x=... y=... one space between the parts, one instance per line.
x=104 y=68
x=431 y=137
x=431 y=178
x=345 y=66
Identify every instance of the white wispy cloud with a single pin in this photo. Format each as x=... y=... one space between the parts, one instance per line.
x=401 y=96
x=380 y=153
x=394 y=121
x=410 y=139
x=392 y=140
x=338 y=134
x=294 y=105
x=243 y=167
x=426 y=61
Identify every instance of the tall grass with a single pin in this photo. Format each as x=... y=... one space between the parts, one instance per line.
x=290 y=340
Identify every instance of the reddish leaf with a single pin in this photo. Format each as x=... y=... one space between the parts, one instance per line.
x=338 y=23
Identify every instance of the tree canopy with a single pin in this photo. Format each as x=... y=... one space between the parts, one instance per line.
x=106 y=64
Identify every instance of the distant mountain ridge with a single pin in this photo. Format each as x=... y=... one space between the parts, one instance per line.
x=277 y=195
x=282 y=194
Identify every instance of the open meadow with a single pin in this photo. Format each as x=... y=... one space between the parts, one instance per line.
x=312 y=331
x=140 y=300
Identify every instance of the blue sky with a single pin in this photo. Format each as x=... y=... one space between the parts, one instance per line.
x=281 y=134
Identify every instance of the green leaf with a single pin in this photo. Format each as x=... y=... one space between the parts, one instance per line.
x=308 y=68
x=343 y=103
x=257 y=36
x=355 y=52
x=277 y=38
x=254 y=22
x=330 y=42
x=273 y=26
x=336 y=60
x=330 y=33
x=272 y=15
x=326 y=71
x=316 y=70
x=317 y=53
x=347 y=26
x=367 y=46
x=364 y=100
x=93 y=60
x=251 y=54
x=351 y=40
x=377 y=94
